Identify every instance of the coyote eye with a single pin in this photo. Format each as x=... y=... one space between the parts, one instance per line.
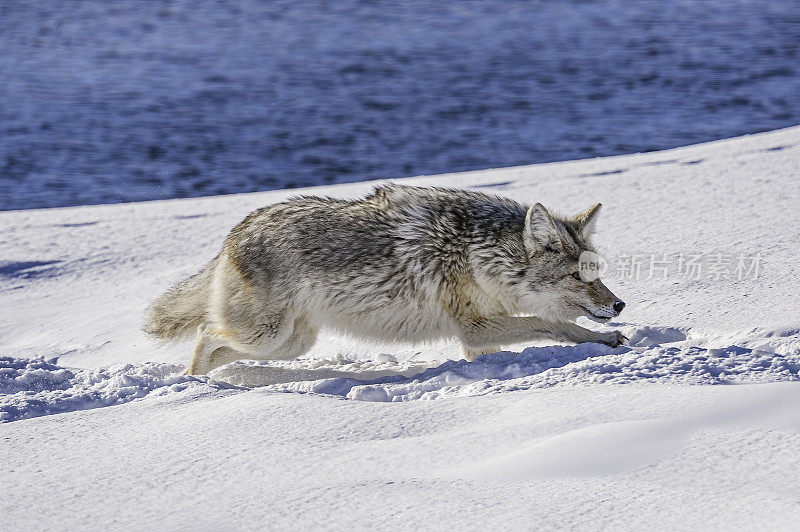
x=576 y=276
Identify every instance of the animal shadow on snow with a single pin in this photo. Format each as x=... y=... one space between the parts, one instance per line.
x=334 y=380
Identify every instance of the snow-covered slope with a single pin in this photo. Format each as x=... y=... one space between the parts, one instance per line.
x=573 y=436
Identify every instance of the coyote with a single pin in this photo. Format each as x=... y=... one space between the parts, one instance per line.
x=404 y=263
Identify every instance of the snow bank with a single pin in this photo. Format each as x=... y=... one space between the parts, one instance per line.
x=668 y=361
x=609 y=448
x=34 y=387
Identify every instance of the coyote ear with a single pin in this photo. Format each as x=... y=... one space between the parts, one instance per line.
x=584 y=221
x=540 y=230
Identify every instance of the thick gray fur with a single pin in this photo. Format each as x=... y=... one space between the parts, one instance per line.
x=408 y=264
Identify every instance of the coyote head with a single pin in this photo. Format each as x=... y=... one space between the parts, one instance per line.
x=556 y=282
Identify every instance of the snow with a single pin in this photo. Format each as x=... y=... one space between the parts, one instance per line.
x=693 y=424
x=585 y=457
x=34 y=387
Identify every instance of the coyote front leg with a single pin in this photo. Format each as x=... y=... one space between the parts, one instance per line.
x=499 y=330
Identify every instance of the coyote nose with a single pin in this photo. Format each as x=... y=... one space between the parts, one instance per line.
x=618 y=306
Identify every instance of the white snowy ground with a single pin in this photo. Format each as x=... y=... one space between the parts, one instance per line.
x=361 y=436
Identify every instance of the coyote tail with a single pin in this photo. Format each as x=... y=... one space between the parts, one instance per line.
x=178 y=312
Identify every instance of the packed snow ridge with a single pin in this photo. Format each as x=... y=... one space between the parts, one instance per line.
x=34 y=387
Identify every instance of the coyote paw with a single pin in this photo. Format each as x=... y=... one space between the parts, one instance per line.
x=614 y=339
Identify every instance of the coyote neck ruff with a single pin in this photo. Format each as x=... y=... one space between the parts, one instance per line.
x=406 y=264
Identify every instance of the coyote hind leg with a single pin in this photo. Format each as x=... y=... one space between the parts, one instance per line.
x=281 y=339
x=218 y=345
x=470 y=353
x=303 y=337
x=209 y=347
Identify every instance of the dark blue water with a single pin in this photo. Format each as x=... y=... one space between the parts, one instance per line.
x=133 y=100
